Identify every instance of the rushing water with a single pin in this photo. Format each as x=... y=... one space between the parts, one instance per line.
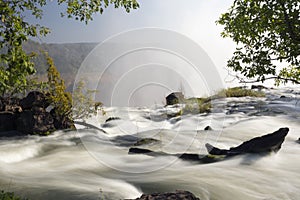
x=91 y=164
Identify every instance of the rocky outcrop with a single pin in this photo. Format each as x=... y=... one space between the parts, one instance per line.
x=7 y=121
x=177 y=195
x=267 y=143
x=34 y=99
x=35 y=122
x=30 y=116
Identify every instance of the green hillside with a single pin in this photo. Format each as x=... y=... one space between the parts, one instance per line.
x=67 y=57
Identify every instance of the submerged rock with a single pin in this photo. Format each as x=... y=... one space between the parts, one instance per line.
x=267 y=143
x=177 y=195
x=145 y=141
x=112 y=118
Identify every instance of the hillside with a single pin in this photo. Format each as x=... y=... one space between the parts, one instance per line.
x=67 y=58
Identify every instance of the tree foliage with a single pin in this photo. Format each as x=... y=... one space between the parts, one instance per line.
x=267 y=34
x=15 y=64
x=59 y=98
x=83 y=102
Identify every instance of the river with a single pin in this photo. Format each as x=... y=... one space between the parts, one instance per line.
x=93 y=164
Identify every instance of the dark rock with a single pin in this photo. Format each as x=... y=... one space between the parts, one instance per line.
x=61 y=122
x=34 y=99
x=139 y=151
x=32 y=122
x=112 y=118
x=267 y=143
x=145 y=141
x=264 y=144
x=7 y=121
x=259 y=87
x=208 y=128
x=29 y=115
x=203 y=159
x=282 y=97
x=177 y=195
x=175 y=98
x=10 y=104
x=1 y=104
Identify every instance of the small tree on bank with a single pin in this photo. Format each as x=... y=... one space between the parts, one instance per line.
x=267 y=34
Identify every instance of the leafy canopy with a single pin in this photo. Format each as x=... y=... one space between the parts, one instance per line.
x=267 y=33
x=15 y=63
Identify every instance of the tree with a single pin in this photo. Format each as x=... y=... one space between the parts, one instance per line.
x=15 y=63
x=59 y=98
x=267 y=33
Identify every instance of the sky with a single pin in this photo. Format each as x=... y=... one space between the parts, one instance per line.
x=192 y=18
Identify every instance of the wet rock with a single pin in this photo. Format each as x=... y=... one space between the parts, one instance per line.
x=201 y=159
x=145 y=141
x=264 y=144
x=175 y=98
x=112 y=118
x=259 y=87
x=267 y=143
x=177 y=195
x=208 y=128
x=139 y=151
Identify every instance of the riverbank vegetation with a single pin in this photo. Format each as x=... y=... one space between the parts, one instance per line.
x=10 y=196
x=24 y=101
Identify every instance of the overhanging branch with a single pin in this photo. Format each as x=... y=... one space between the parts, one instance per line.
x=273 y=77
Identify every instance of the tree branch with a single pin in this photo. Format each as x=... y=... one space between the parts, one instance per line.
x=273 y=77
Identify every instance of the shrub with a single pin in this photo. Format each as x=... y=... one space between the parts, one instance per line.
x=240 y=92
x=9 y=196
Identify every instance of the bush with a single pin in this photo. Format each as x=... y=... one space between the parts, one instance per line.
x=196 y=105
x=9 y=196
x=240 y=92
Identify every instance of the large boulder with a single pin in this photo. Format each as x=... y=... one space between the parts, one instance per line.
x=7 y=121
x=177 y=195
x=34 y=99
x=267 y=143
x=35 y=122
